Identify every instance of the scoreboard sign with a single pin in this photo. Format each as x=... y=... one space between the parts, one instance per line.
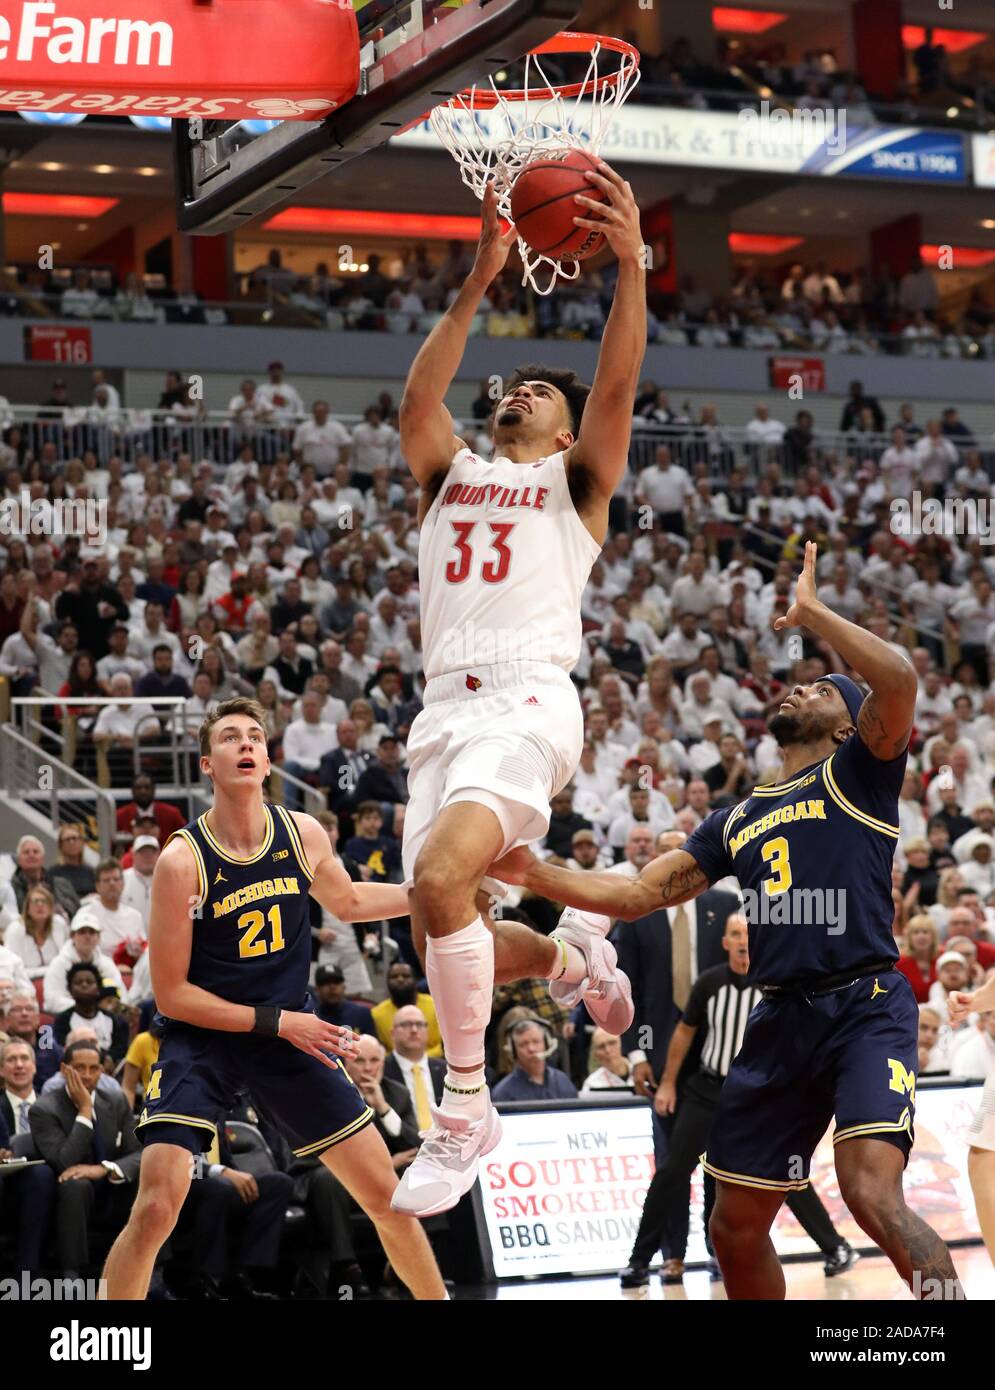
x=70 y=345
x=788 y=372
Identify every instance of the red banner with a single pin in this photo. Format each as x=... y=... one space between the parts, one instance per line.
x=227 y=59
x=68 y=344
x=787 y=372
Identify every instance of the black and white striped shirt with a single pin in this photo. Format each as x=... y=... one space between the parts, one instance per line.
x=723 y=1000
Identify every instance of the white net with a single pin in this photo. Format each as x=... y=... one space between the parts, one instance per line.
x=492 y=135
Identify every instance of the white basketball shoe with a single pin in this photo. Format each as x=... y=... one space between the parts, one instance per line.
x=446 y=1166
x=606 y=992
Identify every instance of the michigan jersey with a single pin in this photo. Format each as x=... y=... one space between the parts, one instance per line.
x=813 y=857
x=251 y=926
x=503 y=558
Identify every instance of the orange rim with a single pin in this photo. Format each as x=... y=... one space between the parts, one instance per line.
x=486 y=99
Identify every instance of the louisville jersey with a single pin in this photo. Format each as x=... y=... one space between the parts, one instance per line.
x=251 y=927
x=503 y=559
x=813 y=857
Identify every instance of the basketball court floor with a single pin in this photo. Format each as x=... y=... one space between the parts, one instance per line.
x=872 y=1279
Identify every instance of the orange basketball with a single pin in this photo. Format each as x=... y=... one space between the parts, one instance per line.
x=543 y=207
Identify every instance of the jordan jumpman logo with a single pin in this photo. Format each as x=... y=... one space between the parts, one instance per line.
x=877 y=989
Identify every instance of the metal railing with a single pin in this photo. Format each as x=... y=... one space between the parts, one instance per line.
x=53 y=788
x=313 y=799
x=59 y=735
x=215 y=438
x=972 y=110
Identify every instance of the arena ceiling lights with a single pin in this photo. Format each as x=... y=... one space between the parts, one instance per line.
x=56 y=205
x=363 y=222
x=733 y=21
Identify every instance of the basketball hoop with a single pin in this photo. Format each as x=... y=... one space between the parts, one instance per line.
x=492 y=134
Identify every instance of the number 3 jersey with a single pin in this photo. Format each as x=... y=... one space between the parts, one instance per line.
x=813 y=857
x=251 y=929
x=503 y=559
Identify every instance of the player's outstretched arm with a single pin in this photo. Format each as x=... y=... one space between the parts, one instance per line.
x=174 y=904
x=671 y=879
x=960 y=1003
x=335 y=890
x=427 y=440
x=886 y=716
x=602 y=447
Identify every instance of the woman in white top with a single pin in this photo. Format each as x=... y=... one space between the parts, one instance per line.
x=38 y=935
x=315 y=590
x=189 y=602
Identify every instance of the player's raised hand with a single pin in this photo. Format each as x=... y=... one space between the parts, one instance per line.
x=313 y=1035
x=959 y=1005
x=619 y=219
x=805 y=595
x=494 y=245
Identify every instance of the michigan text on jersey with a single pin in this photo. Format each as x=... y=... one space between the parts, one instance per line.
x=252 y=892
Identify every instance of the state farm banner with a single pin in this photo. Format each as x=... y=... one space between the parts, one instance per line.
x=563 y=1191
x=179 y=58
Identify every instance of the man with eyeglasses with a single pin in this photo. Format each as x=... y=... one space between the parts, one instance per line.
x=411 y=1066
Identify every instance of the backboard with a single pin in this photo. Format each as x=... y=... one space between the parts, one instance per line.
x=414 y=55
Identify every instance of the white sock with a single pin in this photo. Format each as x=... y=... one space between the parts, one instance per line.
x=570 y=967
x=460 y=972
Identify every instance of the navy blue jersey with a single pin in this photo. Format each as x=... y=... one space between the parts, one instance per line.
x=252 y=933
x=813 y=857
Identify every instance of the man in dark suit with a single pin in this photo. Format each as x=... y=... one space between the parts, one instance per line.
x=26 y=1194
x=663 y=954
x=385 y=780
x=88 y=1140
x=393 y=1112
x=341 y=769
x=410 y=1066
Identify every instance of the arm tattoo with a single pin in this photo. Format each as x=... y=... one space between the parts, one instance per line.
x=871 y=728
x=681 y=885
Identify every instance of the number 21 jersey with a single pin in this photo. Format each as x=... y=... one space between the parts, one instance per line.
x=252 y=933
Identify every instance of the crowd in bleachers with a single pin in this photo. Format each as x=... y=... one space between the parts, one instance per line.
x=741 y=69
x=296 y=580
x=802 y=306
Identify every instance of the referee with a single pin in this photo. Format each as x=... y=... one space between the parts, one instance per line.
x=721 y=998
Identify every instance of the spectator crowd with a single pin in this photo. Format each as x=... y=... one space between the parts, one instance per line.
x=295 y=580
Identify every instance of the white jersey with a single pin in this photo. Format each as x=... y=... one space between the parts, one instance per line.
x=503 y=559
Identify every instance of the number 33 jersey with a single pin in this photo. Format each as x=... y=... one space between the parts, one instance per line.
x=503 y=558
x=252 y=929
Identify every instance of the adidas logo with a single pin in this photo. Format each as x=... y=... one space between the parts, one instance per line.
x=530 y=701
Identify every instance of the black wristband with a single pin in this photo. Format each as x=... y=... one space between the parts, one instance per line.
x=267 y=1020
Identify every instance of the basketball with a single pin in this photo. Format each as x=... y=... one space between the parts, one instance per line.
x=543 y=207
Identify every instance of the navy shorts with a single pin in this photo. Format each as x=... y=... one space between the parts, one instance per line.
x=199 y=1072
x=852 y=1054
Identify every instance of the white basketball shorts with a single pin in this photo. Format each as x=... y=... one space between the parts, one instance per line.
x=981 y=1134
x=509 y=737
